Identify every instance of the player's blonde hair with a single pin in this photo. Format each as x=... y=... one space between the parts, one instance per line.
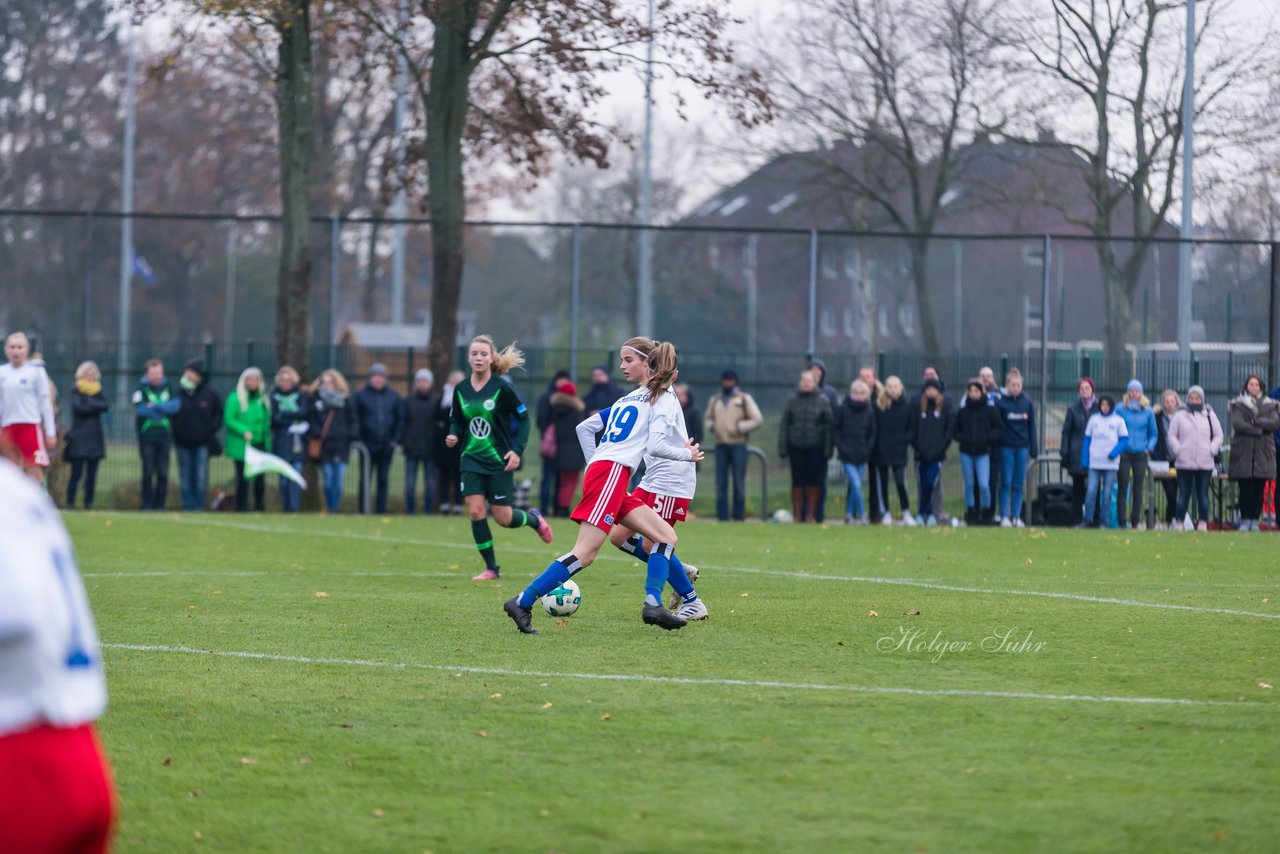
x=660 y=356
x=504 y=361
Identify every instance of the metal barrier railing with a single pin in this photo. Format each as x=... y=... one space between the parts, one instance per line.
x=363 y=500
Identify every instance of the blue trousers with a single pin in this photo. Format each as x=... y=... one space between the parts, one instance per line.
x=853 y=503
x=731 y=460
x=411 y=466
x=334 y=473
x=1013 y=477
x=1101 y=483
x=976 y=469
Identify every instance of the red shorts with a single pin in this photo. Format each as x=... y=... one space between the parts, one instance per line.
x=604 y=495
x=55 y=792
x=670 y=508
x=26 y=437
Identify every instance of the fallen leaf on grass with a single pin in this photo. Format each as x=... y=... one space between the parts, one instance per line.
x=914 y=612
x=606 y=717
x=320 y=594
x=167 y=762
x=1264 y=686
x=245 y=760
x=198 y=835
x=482 y=733
x=745 y=595
x=378 y=813
x=348 y=726
x=198 y=793
x=497 y=696
x=546 y=705
x=304 y=760
x=872 y=614
x=562 y=622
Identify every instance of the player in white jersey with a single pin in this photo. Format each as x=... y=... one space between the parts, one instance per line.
x=26 y=407
x=638 y=422
x=55 y=788
x=667 y=487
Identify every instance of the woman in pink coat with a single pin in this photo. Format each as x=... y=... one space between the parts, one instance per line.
x=1194 y=439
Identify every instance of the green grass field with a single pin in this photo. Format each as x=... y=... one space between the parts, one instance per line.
x=339 y=684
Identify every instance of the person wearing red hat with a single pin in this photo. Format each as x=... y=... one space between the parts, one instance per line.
x=1072 y=443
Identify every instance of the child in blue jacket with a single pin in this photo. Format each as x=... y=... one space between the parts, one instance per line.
x=1141 y=422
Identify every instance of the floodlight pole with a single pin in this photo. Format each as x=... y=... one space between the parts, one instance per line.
x=399 y=208
x=126 y=220
x=644 y=278
x=1188 y=190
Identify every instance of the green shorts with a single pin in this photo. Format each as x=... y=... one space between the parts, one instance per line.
x=498 y=488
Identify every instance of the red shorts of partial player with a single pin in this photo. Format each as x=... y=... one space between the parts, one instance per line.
x=605 y=500
x=26 y=437
x=55 y=791
x=670 y=508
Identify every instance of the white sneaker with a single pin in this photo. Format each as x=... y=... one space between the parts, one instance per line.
x=886 y=519
x=691 y=611
x=931 y=521
x=1175 y=525
x=909 y=520
x=1142 y=526
x=692 y=572
x=1005 y=523
x=1018 y=523
x=1202 y=526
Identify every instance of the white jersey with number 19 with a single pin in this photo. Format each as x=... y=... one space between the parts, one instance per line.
x=633 y=427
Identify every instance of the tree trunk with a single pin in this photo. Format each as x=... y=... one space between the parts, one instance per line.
x=296 y=117
x=919 y=248
x=446 y=115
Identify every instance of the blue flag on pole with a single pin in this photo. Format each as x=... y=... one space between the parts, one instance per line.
x=142 y=269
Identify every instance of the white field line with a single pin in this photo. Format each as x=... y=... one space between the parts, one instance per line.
x=855 y=579
x=284 y=573
x=677 y=680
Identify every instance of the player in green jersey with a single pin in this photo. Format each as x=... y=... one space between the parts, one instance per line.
x=483 y=408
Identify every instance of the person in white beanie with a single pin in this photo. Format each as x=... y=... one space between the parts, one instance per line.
x=1194 y=439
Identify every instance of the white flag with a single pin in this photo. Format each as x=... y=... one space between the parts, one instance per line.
x=260 y=462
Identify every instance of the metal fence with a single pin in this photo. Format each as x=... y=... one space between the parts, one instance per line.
x=762 y=302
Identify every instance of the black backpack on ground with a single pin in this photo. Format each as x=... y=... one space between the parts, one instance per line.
x=1052 y=507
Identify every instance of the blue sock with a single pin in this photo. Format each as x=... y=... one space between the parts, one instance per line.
x=679 y=580
x=635 y=546
x=557 y=572
x=659 y=568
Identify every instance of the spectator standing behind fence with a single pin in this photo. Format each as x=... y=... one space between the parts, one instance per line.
x=603 y=391
x=867 y=374
x=247 y=415
x=1143 y=435
x=931 y=436
x=805 y=437
x=731 y=417
x=1105 y=438
x=547 y=444
x=418 y=439
x=448 y=460
x=855 y=439
x=378 y=413
x=154 y=404
x=195 y=433
x=1254 y=419
x=1269 y=492
x=1018 y=448
x=895 y=421
x=987 y=377
x=290 y=422
x=1169 y=403
x=978 y=431
x=1071 y=444
x=566 y=413
x=1195 y=439
x=26 y=407
x=85 y=443
x=828 y=391
x=333 y=422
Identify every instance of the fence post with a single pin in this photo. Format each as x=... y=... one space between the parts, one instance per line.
x=881 y=362
x=248 y=352
x=575 y=283
x=1085 y=365
x=1044 y=336
x=409 y=369
x=208 y=359
x=1195 y=371
x=1273 y=345
x=335 y=261
x=1004 y=367
x=86 y=308
x=813 y=293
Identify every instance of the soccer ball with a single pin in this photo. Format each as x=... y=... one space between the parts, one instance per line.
x=782 y=517
x=563 y=601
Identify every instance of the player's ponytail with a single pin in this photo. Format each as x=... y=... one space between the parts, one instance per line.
x=505 y=361
x=662 y=369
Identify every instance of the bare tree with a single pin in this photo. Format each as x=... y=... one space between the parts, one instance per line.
x=901 y=86
x=513 y=81
x=1116 y=69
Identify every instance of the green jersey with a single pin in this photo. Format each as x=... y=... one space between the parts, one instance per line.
x=482 y=421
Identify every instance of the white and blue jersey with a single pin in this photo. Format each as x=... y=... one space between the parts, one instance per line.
x=634 y=428
x=50 y=664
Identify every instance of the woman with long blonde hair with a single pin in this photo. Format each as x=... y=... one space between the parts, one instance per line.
x=483 y=408
x=86 y=445
x=247 y=415
x=636 y=424
x=333 y=423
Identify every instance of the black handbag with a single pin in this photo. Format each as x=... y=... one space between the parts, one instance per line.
x=215 y=445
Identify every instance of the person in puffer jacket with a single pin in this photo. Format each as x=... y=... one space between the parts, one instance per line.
x=1105 y=438
x=1017 y=448
x=1135 y=409
x=805 y=437
x=935 y=425
x=978 y=430
x=1194 y=439
x=1254 y=418
x=855 y=437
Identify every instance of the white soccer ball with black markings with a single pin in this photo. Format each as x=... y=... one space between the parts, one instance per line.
x=563 y=601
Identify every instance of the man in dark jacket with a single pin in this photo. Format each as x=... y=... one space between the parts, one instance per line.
x=154 y=405
x=378 y=419
x=603 y=391
x=1071 y=444
x=547 y=485
x=195 y=429
x=418 y=438
x=855 y=438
